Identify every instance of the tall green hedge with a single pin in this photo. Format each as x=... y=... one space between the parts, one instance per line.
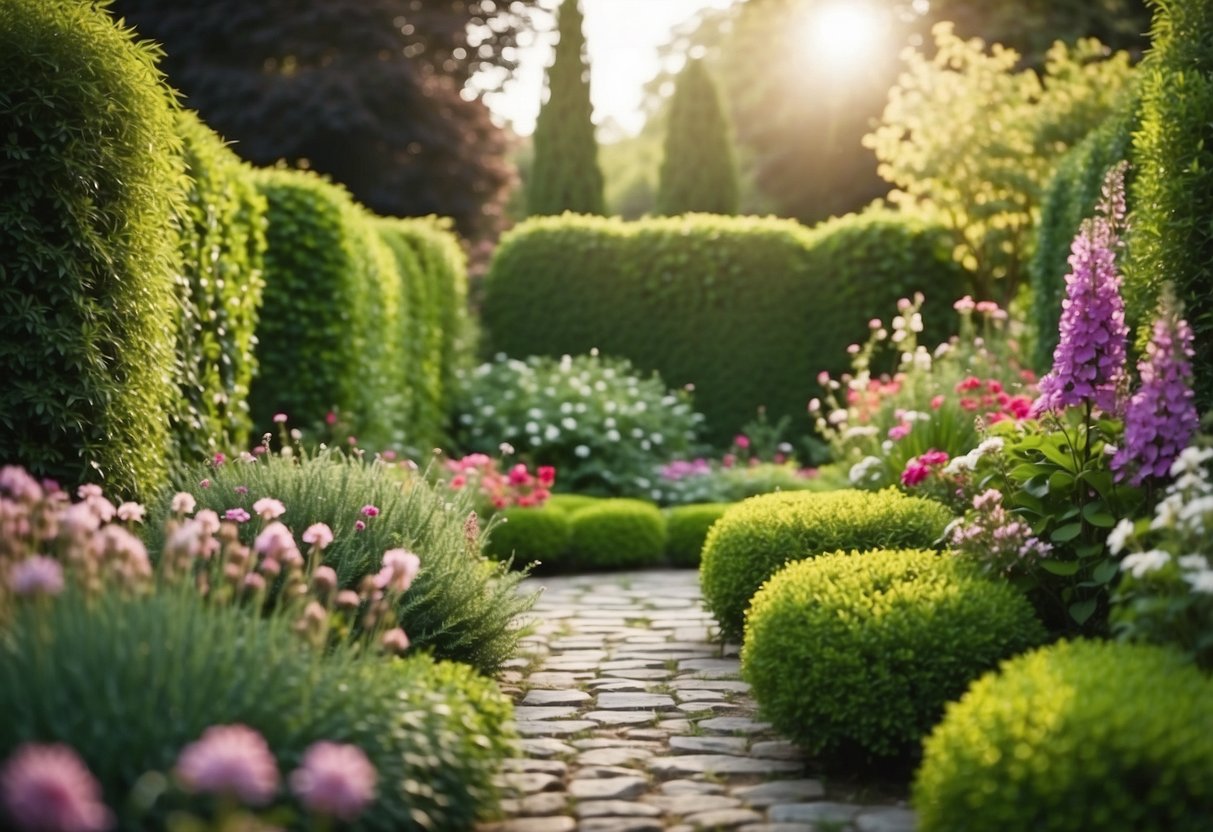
x=1173 y=193
x=747 y=309
x=91 y=180
x=218 y=295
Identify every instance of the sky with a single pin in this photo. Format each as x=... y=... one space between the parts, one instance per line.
x=622 y=37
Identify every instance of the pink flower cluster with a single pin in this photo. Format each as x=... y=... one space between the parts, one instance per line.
x=988 y=398
x=48 y=788
x=996 y=538
x=920 y=467
x=516 y=487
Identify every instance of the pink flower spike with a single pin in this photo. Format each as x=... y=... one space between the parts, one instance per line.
x=335 y=780
x=36 y=575
x=370 y=511
x=267 y=508
x=48 y=788
x=230 y=760
x=318 y=535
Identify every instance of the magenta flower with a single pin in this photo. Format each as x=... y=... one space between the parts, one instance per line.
x=914 y=473
x=48 y=788
x=36 y=575
x=370 y=511
x=1089 y=361
x=236 y=515
x=899 y=432
x=232 y=760
x=335 y=779
x=279 y=418
x=359 y=525
x=1161 y=417
x=241 y=490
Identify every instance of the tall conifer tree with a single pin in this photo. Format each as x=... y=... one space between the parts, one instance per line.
x=565 y=175
x=699 y=172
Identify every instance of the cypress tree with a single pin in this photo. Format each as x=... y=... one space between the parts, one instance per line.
x=699 y=172
x=566 y=175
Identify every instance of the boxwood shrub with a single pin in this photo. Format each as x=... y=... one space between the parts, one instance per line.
x=128 y=683
x=571 y=503
x=617 y=534
x=687 y=528
x=218 y=295
x=93 y=179
x=1078 y=735
x=755 y=538
x=854 y=655
x=540 y=534
x=747 y=309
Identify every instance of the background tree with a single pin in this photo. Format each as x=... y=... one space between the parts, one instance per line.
x=699 y=171
x=565 y=175
x=374 y=93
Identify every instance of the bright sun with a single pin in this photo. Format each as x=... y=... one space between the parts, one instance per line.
x=845 y=32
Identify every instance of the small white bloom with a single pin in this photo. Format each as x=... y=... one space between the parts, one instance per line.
x=837 y=417
x=1167 y=512
x=488 y=410
x=991 y=446
x=656 y=438
x=637 y=433
x=551 y=433
x=581 y=451
x=612 y=435
x=916 y=322
x=1191 y=459
x=860 y=430
x=506 y=448
x=1193 y=563
x=899 y=336
x=1141 y=564
x=1201 y=581
x=1119 y=536
x=532 y=427
x=568 y=423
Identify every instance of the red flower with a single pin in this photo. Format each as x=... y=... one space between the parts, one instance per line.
x=547 y=476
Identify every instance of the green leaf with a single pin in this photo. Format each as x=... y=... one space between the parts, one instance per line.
x=1066 y=533
x=1080 y=611
x=1060 y=482
x=1064 y=568
x=1096 y=514
x=1037 y=486
x=1106 y=571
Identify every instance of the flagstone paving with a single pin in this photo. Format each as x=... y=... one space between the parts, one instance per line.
x=634 y=719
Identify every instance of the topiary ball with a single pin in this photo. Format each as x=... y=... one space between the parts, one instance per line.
x=1077 y=735
x=618 y=534
x=531 y=534
x=687 y=528
x=853 y=656
x=572 y=503
x=758 y=536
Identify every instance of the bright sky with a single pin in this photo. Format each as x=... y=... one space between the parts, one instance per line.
x=622 y=37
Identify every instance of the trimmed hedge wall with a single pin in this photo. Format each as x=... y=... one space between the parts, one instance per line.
x=218 y=295
x=92 y=180
x=531 y=534
x=747 y=309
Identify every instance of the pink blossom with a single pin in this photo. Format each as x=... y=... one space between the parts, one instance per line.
x=230 y=760
x=236 y=515
x=218 y=459
x=318 y=535
x=875 y=323
x=348 y=599
x=17 y=483
x=267 y=508
x=241 y=490
x=183 y=503
x=324 y=579
x=207 y=520
x=964 y=305
x=359 y=526
x=934 y=457
x=899 y=432
x=395 y=641
x=36 y=575
x=204 y=483
x=130 y=513
x=330 y=418
x=400 y=566
x=370 y=511
x=741 y=441
x=89 y=491
x=254 y=582
x=279 y=418
x=334 y=779
x=274 y=542
x=914 y=473
x=48 y=788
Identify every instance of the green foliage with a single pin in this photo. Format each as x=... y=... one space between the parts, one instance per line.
x=699 y=171
x=565 y=175
x=854 y=655
x=1173 y=193
x=603 y=427
x=618 y=534
x=967 y=138
x=1068 y=199
x=92 y=181
x=1079 y=735
x=218 y=295
x=128 y=682
x=686 y=529
x=710 y=482
x=531 y=534
x=746 y=309
x=754 y=539
x=572 y=503
x=461 y=606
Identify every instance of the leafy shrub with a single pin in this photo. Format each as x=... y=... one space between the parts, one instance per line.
x=602 y=426
x=1079 y=735
x=219 y=295
x=754 y=539
x=92 y=181
x=531 y=534
x=127 y=682
x=687 y=528
x=618 y=534
x=572 y=503
x=460 y=607
x=699 y=167
x=746 y=309
x=853 y=656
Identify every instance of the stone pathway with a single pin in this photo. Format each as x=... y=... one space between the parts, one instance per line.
x=634 y=720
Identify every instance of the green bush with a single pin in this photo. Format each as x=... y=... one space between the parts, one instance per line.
x=218 y=295
x=1079 y=735
x=531 y=534
x=686 y=529
x=747 y=309
x=93 y=178
x=602 y=426
x=698 y=167
x=572 y=503
x=853 y=656
x=461 y=606
x=129 y=682
x=618 y=534
x=754 y=539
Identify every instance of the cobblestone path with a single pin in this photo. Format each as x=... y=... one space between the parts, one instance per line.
x=635 y=720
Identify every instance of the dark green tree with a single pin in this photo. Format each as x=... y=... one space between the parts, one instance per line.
x=699 y=170
x=565 y=175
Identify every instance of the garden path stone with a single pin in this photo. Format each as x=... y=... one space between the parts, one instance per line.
x=614 y=693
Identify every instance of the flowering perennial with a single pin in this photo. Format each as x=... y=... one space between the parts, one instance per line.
x=995 y=538
x=45 y=788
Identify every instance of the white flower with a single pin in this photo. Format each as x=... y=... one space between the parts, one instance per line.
x=961 y=464
x=1143 y=563
x=656 y=438
x=1119 y=536
x=860 y=430
x=566 y=408
x=1191 y=459
x=532 y=427
x=612 y=435
x=551 y=433
x=1193 y=563
x=1201 y=581
x=1167 y=512
x=916 y=322
x=863 y=470
x=837 y=417
x=991 y=446
x=534 y=413
x=568 y=423
x=581 y=451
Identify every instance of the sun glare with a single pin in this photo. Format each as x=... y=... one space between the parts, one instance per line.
x=845 y=32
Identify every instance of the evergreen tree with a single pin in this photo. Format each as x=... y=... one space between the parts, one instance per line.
x=699 y=172
x=566 y=175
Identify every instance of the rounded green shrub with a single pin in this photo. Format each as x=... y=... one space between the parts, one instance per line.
x=531 y=534
x=1078 y=735
x=854 y=655
x=93 y=180
x=618 y=534
x=755 y=538
x=572 y=503
x=462 y=606
x=128 y=683
x=218 y=295
x=687 y=528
